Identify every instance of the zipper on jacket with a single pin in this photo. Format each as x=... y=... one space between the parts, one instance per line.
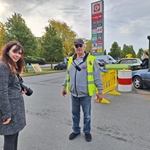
x=75 y=83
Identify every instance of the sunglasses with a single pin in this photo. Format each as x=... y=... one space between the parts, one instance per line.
x=79 y=45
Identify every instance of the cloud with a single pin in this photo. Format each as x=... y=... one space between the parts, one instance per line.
x=126 y=22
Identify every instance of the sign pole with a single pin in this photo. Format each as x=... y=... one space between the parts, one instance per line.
x=149 y=52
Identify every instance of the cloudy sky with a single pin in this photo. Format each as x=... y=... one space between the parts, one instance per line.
x=125 y=21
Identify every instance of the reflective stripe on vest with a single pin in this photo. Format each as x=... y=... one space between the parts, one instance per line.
x=90 y=75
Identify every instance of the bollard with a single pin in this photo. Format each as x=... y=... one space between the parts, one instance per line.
x=125 y=80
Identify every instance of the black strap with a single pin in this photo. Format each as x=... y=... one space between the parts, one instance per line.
x=84 y=58
x=77 y=66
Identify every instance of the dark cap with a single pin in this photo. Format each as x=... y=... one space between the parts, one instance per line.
x=78 y=41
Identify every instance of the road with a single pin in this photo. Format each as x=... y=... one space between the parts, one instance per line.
x=122 y=125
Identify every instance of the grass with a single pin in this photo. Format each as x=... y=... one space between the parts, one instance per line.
x=31 y=72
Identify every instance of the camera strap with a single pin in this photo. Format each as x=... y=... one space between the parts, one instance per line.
x=77 y=66
x=20 y=79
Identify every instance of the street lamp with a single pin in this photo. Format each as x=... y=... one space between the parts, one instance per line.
x=148 y=37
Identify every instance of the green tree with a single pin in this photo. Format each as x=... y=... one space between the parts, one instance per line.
x=66 y=34
x=115 y=50
x=128 y=50
x=105 y=53
x=16 y=29
x=122 y=55
x=88 y=44
x=140 y=52
x=51 y=44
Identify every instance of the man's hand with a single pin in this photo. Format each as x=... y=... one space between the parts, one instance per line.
x=64 y=92
x=6 y=121
x=99 y=97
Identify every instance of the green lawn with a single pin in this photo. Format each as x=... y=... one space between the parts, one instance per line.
x=31 y=72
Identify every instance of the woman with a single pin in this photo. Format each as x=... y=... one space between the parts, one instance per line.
x=12 y=110
x=144 y=59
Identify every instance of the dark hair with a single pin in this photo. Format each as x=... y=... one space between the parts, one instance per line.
x=8 y=60
x=146 y=53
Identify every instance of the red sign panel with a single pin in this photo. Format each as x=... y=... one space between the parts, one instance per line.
x=99 y=41
x=96 y=17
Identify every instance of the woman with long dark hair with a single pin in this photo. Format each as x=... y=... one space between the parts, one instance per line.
x=12 y=110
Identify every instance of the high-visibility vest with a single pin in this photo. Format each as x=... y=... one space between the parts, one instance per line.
x=90 y=74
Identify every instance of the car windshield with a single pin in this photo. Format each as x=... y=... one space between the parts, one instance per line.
x=129 y=61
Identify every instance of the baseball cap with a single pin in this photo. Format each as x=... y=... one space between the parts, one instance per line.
x=78 y=41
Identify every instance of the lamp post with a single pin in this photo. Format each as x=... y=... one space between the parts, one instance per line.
x=148 y=37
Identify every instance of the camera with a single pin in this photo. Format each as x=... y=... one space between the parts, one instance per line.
x=29 y=91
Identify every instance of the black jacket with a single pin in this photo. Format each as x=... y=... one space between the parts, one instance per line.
x=144 y=64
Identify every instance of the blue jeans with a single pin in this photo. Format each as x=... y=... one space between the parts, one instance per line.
x=85 y=103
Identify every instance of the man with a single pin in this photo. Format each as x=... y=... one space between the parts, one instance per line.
x=83 y=76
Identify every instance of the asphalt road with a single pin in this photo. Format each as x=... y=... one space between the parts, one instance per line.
x=121 y=125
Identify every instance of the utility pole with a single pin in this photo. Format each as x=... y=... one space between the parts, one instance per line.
x=148 y=37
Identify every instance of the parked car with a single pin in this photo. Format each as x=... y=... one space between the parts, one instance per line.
x=117 y=67
x=141 y=78
x=125 y=63
x=135 y=63
x=60 y=66
x=106 y=58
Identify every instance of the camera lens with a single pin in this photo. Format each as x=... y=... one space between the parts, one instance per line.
x=29 y=91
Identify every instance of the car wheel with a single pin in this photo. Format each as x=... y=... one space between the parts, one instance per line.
x=137 y=82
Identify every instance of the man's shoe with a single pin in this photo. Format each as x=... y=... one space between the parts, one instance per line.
x=73 y=136
x=88 y=137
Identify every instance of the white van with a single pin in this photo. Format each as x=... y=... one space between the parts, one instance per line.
x=106 y=58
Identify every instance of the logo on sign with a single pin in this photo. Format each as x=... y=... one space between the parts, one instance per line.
x=94 y=45
x=96 y=7
x=99 y=30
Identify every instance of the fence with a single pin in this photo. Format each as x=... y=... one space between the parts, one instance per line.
x=109 y=81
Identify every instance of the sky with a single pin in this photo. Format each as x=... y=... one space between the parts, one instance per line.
x=125 y=21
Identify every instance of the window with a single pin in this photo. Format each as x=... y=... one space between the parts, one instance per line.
x=123 y=62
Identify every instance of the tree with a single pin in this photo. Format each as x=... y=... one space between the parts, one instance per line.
x=2 y=35
x=51 y=44
x=105 y=53
x=16 y=29
x=140 y=53
x=88 y=44
x=66 y=34
x=128 y=50
x=115 y=50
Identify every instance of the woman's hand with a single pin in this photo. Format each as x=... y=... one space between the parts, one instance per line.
x=24 y=91
x=6 y=121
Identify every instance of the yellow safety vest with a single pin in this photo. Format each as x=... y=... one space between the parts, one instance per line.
x=90 y=75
